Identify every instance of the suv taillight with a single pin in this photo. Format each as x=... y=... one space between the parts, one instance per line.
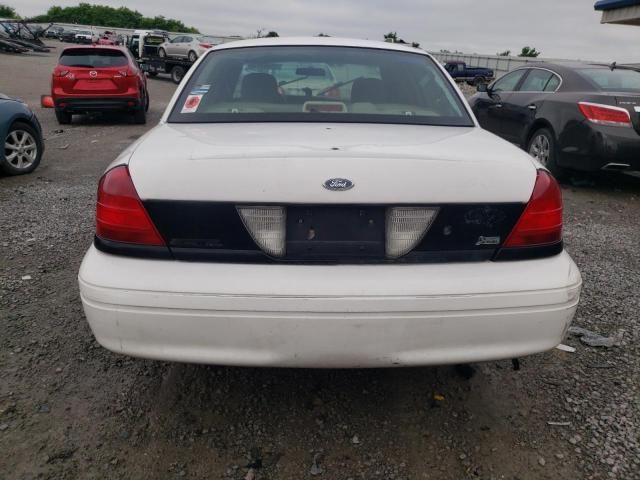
x=605 y=114
x=120 y=215
x=541 y=222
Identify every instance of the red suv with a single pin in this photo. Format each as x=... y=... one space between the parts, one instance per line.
x=98 y=78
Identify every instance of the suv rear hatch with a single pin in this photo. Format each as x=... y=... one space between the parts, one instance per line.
x=93 y=71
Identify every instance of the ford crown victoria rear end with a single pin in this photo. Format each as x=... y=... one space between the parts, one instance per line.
x=365 y=221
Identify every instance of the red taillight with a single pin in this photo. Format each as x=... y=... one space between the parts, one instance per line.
x=605 y=114
x=120 y=215
x=61 y=73
x=541 y=222
x=205 y=45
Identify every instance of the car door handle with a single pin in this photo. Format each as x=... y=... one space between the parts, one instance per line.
x=532 y=107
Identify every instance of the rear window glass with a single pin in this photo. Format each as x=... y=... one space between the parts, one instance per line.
x=614 y=80
x=319 y=83
x=93 y=58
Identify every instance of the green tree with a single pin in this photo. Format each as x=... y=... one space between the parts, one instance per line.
x=506 y=53
x=391 y=37
x=7 y=12
x=529 y=52
x=272 y=34
x=123 y=17
x=323 y=35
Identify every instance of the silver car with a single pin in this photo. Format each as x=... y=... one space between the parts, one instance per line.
x=186 y=46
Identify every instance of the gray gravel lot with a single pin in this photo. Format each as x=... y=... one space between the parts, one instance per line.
x=70 y=409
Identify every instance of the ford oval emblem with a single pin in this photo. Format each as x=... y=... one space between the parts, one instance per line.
x=338 y=184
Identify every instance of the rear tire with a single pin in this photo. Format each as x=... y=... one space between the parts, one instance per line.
x=64 y=118
x=479 y=80
x=140 y=114
x=22 y=150
x=542 y=147
x=162 y=53
x=193 y=56
x=177 y=73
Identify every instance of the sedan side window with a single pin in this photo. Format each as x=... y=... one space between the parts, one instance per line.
x=536 y=81
x=177 y=40
x=508 y=82
x=187 y=39
x=552 y=84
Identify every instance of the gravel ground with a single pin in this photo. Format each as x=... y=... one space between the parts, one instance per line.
x=70 y=409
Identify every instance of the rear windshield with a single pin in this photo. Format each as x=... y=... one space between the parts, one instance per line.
x=93 y=58
x=318 y=83
x=615 y=80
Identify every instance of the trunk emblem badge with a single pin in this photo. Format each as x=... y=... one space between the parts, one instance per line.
x=338 y=184
x=93 y=73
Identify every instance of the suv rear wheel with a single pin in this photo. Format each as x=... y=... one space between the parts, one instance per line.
x=140 y=114
x=64 y=118
x=22 y=150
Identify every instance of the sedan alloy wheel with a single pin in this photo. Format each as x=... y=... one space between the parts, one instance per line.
x=540 y=149
x=20 y=149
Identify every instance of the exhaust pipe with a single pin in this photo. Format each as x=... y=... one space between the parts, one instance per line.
x=616 y=167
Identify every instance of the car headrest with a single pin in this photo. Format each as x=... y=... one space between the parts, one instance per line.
x=260 y=87
x=370 y=90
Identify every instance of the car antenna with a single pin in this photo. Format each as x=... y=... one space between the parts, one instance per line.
x=612 y=66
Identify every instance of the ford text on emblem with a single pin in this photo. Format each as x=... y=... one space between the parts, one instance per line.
x=338 y=184
x=93 y=73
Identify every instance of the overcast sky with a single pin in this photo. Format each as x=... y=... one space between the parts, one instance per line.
x=558 y=28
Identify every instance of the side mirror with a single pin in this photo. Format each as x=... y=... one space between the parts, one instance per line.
x=46 y=101
x=483 y=88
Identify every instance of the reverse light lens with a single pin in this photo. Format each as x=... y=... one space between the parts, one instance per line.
x=120 y=215
x=267 y=226
x=541 y=222
x=605 y=114
x=406 y=227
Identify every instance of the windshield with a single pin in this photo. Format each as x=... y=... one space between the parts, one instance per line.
x=615 y=80
x=319 y=83
x=93 y=58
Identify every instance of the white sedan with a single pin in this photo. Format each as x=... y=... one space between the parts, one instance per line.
x=186 y=46
x=368 y=223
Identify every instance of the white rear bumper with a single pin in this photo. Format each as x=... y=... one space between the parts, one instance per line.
x=328 y=316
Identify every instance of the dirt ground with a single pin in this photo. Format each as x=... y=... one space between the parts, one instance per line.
x=71 y=410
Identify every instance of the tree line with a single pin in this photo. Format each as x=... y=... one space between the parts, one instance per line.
x=122 y=17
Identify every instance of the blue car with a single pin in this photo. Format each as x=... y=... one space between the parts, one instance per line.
x=21 y=136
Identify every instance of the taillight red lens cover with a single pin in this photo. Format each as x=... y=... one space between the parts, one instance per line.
x=605 y=114
x=541 y=222
x=120 y=215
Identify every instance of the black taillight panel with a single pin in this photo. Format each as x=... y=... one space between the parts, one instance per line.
x=213 y=231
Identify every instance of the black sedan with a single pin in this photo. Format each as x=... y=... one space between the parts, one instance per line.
x=21 y=136
x=574 y=116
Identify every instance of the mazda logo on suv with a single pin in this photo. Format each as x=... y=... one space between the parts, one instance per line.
x=338 y=184
x=93 y=73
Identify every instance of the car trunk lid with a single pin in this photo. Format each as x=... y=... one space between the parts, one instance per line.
x=212 y=191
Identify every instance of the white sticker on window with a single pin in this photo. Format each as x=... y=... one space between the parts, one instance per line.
x=191 y=104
